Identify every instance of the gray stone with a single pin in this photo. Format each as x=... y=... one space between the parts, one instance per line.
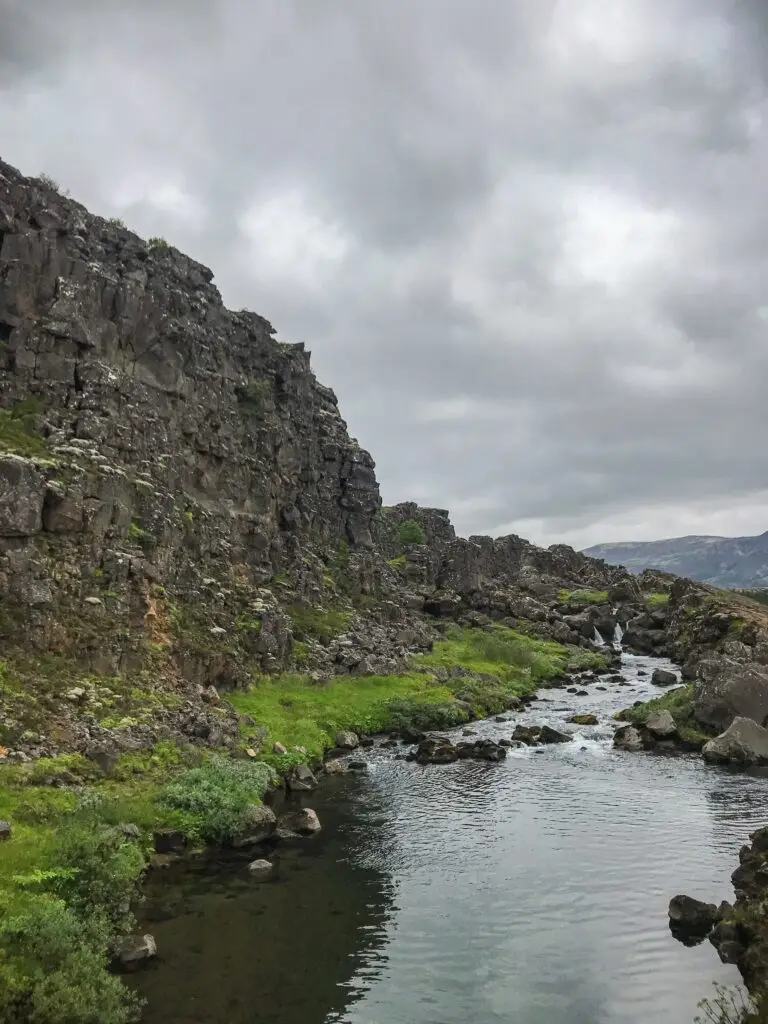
x=300 y=779
x=346 y=741
x=136 y=950
x=743 y=742
x=628 y=738
x=727 y=689
x=661 y=724
x=260 y=868
x=550 y=735
x=22 y=489
x=664 y=677
x=6 y=831
x=691 y=916
x=304 y=822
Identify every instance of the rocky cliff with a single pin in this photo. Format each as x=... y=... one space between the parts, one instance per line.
x=181 y=504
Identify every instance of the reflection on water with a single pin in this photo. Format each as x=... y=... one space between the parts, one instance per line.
x=532 y=891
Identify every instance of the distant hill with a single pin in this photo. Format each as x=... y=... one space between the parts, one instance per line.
x=722 y=561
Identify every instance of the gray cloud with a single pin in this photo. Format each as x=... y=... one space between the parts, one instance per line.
x=526 y=242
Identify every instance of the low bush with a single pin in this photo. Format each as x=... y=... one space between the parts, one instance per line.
x=217 y=796
x=411 y=532
x=53 y=969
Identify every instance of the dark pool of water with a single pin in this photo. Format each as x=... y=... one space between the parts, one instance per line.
x=533 y=891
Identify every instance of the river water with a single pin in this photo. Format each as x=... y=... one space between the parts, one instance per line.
x=533 y=891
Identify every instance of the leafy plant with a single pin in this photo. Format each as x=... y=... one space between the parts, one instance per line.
x=157 y=244
x=49 y=182
x=411 y=532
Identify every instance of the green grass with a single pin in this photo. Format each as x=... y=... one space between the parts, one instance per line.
x=679 y=702
x=296 y=712
x=18 y=432
x=321 y=624
x=398 y=562
x=583 y=596
x=510 y=655
x=656 y=600
x=500 y=666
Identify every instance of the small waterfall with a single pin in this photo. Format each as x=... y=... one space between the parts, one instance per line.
x=597 y=638
x=618 y=633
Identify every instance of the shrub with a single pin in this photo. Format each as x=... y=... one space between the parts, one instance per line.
x=729 y=1006
x=411 y=532
x=410 y=716
x=53 y=970
x=218 y=796
x=97 y=872
x=116 y=222
x=321 y=624
x=157 y=244
x=49 y=182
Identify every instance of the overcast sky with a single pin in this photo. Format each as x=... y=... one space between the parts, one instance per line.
x=525 y=241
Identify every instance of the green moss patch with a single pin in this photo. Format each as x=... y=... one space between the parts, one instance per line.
x=656 y=600
x=583 y=597
x=18 y=430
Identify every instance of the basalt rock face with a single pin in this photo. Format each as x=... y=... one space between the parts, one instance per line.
x=179 y=496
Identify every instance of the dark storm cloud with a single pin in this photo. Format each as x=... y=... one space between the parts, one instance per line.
x=526 y=242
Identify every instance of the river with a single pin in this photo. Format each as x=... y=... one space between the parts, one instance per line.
x=533 y=891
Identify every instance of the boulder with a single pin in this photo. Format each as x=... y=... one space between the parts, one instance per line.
x=488 y=750
x=22 y=491
x=304 y=822
x=135 y=951
x=550 y=735
x=258 y=826
x=5 y=830
x=346 y=741
x=334 y=768
x=690 y=916
x=583 y=720
x=437 y=750
x=743 y=742
x=259 y=868
x=728 y=689
x=661 y=724
x=527 y=734
x=300 y=779
x=628 y=738
x=664 y=677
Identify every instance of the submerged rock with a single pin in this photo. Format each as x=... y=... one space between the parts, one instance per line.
x=258 y=826
x=527 y=734
x=743 y=742
x=259 y=868
x=303 y=823
x=135 y=950
x=436 y=750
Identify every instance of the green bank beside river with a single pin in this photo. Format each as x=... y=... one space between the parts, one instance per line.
x=82 y=837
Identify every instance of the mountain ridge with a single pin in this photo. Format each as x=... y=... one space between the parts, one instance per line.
x=722 y=561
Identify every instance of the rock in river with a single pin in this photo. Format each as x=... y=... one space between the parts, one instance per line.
x=259 y=868
x=690 y=917
x=550 y=735
x=304 y=822
x=663 y=677
x=136 y=950
x=628 y=738
x=661 y=724
x=436 y=750
x=743 y=742
x=583 y=720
